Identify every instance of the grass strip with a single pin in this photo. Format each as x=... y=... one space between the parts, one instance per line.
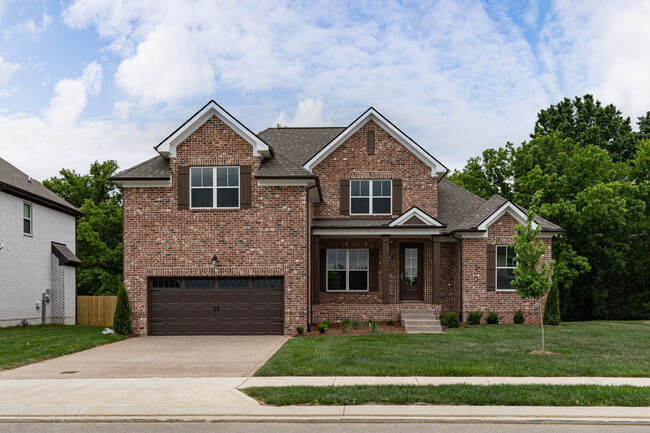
x=605 y=348
x=474 y=395
x=21 y=346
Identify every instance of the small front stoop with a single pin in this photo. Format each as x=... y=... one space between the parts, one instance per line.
x=420 y=321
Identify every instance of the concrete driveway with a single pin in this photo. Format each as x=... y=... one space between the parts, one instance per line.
x=191 y=356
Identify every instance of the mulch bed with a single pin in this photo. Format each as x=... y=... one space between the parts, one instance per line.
x=337 y=329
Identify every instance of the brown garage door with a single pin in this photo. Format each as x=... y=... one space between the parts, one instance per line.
x=216 y=306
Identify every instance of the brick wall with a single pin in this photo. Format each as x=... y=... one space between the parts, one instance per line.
x=269 y=239
x=474 y=276
x=391 y=160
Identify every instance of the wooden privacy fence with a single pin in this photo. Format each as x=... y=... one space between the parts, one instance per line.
x=96 y=310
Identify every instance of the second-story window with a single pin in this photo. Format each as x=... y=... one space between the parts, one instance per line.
x=370 y=197
x=27 y=219
x=214 y=187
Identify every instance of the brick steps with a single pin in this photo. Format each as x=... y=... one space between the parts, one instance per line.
x=420 y=321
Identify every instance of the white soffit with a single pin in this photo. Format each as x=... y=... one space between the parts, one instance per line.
x=415 y=212
x=437 y=169
x=167 y=147
x=507 y=207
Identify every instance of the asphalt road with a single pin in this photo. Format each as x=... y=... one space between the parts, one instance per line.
x=319 y=427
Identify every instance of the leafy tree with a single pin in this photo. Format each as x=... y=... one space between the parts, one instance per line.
x=533 y=279
x=552 y=307
x=644 y=126
x=99 y=230
x=488 y=174
x=122 y=316
x=587 y=122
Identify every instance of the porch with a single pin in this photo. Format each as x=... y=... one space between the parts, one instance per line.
x=364 y=269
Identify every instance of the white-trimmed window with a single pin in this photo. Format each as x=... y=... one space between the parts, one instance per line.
x=371 y=197
x=206 y=193
x=347 y=270
x=505 y=267
x=27 y=219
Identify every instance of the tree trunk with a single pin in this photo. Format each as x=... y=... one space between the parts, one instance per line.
x=541 y=321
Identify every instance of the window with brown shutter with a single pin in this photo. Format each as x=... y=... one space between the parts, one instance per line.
x=373 y=267
x=183 y=184
x=491 y=267
x=345 y=196
x=397 y=196
x=245 y=186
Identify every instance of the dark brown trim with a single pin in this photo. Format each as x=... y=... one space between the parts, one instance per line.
x=385 y=270
x=436 y=270
x=371 y=142
x=344 y=197
x=316 y=270
x=21 y=193
x=245 y=187
x=491 y=267
x=183 y=187
x=373 y=270
x=397 y=196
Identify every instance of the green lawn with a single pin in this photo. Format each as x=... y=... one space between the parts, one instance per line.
x=586 y=349
x=21 y=346
x=475 y=395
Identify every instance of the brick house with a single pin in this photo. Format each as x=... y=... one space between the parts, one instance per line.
x=231 y=232
x=37 y=252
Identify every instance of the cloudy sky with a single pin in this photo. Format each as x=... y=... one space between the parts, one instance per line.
x=93 y=80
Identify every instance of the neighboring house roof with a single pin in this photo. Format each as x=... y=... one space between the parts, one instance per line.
x=65 y=256
x=15 y=182
x=465 y=211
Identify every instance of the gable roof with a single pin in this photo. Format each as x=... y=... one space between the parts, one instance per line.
x=156 y=168
x=167 y=147
x=465 y=211
x=418 y=215
x=15 y=182
x=437 y=169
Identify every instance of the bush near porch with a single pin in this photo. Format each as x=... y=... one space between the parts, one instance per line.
x=585 y=349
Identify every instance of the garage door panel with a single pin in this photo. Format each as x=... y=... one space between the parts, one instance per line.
x=226 y=306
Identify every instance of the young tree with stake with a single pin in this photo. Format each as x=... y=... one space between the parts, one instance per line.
x=533 y=279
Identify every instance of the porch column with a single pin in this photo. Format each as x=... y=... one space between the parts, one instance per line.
x=385 y=270
x=436 y=270
x=315 y=270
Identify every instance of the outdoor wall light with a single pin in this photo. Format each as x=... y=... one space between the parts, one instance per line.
x=215 y=260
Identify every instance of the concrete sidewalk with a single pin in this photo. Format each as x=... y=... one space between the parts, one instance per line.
x=220 y=399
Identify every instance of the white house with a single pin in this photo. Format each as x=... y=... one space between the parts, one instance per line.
x=37 y=252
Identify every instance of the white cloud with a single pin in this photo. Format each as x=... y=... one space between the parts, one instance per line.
x=309 y=113
x=70 y=95
x=6 y=70
x=41 y=148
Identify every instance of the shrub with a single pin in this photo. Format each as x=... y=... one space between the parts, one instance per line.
x=519 y=318
x=552 y=307
x=374 y=326
x=474 y=317
x=346 y=324
x=326 y=323
x=449 y=319
x=322 y=327
x=390 y=322
x=122 y=316
x=357 y=324
x=300 y=329
x=492 y=318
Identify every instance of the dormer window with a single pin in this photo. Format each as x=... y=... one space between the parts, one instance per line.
x=370 y=197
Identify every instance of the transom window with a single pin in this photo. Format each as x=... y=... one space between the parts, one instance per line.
x=27 y=218
x=347 y=270
x=505 y=267
x=370 y=197
x=206 y=193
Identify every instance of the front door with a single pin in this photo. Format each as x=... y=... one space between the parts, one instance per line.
x=410 y=272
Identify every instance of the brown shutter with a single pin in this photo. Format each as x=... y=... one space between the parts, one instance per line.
x=315 y=269
x=371 y=142
x=345 y=196
x=491 y=267
x=397 y=196
x=245 y=186
x=373 y=270
x=183 y=181
x=323 y=270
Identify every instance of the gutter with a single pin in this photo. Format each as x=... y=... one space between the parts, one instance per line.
x=18 y=192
